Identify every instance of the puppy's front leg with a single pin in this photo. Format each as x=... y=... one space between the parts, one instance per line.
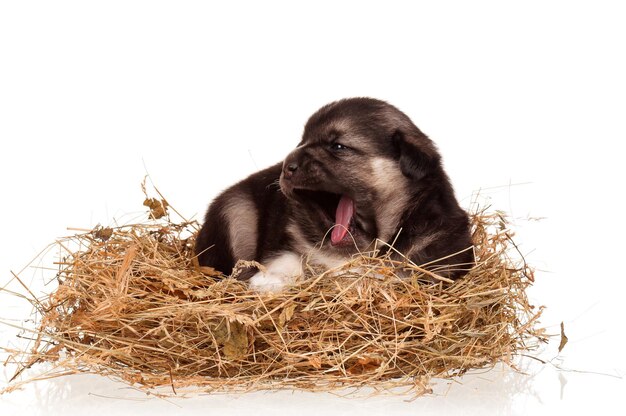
x=280 y=272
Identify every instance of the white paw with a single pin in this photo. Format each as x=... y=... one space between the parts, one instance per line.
x=281 y=271
x=268 y=282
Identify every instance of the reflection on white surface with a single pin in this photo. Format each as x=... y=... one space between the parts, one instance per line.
x=502 y=391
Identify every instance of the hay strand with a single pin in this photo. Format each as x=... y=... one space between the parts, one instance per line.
x=132 y=303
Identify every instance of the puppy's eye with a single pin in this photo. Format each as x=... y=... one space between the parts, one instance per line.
x=338 y=146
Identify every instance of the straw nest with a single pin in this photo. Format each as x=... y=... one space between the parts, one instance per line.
x=133 y=304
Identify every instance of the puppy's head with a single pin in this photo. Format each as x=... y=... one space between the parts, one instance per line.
x=355 y=169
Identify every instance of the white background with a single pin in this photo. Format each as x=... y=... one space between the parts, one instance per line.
x=526 y=101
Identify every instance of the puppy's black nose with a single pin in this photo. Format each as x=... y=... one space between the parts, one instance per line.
x=289 y=169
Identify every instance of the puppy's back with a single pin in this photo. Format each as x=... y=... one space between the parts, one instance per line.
x=236 y=219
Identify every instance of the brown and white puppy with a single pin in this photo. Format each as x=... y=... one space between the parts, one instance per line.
x=362 y=176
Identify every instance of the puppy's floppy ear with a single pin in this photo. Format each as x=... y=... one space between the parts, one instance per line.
x=416 y=153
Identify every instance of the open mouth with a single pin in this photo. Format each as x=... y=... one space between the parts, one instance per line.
x=339 y=209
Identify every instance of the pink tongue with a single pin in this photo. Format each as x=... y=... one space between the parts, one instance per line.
x=345 y=210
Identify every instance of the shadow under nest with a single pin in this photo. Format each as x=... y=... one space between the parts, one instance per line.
x=131 y=303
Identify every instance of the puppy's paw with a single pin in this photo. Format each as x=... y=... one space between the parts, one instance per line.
x=265 y=282
x=280 y=272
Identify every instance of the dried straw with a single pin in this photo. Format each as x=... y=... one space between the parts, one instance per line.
x=132 y=303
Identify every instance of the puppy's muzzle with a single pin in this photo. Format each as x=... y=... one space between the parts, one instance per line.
x=290 y=174
x=293 y=165
x=300 y=171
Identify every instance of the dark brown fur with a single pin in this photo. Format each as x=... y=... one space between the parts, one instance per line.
x=365 y=149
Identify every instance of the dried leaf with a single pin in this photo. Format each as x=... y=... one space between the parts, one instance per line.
x=158 y=207
x=101 y=233
x=286 y=315
x=233 y=338
x=365 y=365
x=315 y=362
x=209 y=271
x=563 y=338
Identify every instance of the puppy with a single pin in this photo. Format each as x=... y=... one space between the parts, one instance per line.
x=363 y=176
